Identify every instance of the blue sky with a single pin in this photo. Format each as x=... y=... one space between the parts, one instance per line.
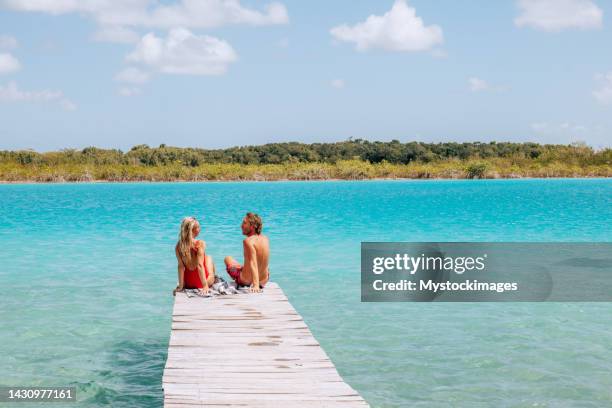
x=217 y=73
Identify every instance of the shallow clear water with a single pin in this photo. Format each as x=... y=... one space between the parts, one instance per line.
x=87 y=271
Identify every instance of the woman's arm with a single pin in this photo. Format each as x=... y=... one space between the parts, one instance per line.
x=201 y=266
x=181 y=272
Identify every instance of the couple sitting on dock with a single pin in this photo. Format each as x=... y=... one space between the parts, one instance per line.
x=196 y=269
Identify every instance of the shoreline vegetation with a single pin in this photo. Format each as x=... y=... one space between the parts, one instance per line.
x=348 y=160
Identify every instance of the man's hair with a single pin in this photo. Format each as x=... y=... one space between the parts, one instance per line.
x=254 y=221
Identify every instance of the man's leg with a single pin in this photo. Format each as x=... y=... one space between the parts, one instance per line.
x=230 y=261
x=234 y=270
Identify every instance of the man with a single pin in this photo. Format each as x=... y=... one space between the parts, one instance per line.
x=256 y=247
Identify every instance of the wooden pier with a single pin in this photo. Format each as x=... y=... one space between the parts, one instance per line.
x=248 y=350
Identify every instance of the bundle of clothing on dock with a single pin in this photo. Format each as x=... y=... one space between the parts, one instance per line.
x=219 y=288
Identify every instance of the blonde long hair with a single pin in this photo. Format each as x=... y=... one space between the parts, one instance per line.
x=186 y=238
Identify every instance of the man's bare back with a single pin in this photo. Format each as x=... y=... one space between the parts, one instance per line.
x=256 y=254
x=256 y=249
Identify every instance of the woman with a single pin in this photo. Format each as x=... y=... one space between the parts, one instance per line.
x=195 y=269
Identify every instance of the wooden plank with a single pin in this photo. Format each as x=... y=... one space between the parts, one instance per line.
x=248 y=350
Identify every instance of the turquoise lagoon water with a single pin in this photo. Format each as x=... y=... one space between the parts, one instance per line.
x=87 y=270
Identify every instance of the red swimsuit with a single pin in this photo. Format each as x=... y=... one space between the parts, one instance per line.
x=192 y=277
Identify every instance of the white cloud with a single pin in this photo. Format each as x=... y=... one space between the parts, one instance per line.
x=569 y=132
x=51 y=6
x=116 y=18
x=8 y=64
x=213 y=13
x=338 y=83
x=565 y=129
x=557 y=15
x=7 y=42
x=399 y=29
x=116 y=34
x=283 y=43
x=439 y=53
x=182 y=52
x=477 y=85
x=604 y=93
x=67 y=104
x=481 y=85
x=129 y=91
x=132 y=75
x=11 y=93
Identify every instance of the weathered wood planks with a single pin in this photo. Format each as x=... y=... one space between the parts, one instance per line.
x=248 y=350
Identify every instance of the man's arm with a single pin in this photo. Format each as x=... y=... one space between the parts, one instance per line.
x=181 y=273
x=250 y=259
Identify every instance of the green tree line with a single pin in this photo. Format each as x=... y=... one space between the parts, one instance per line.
x=352 y=159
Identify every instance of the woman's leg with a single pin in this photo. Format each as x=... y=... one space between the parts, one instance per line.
x=210 y=267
